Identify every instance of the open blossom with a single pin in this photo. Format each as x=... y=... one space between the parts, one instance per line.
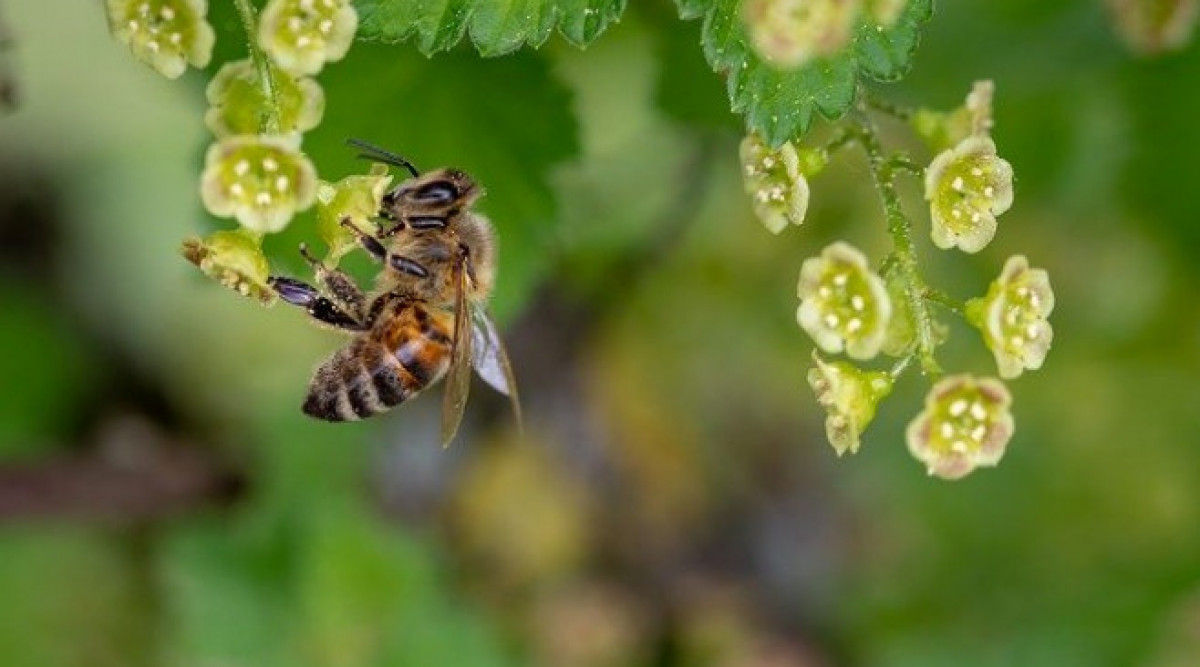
x=260 y=180
x=843 y=304
x=790 y=33
x=354 y=198
x=302 y=35
x=967 y=187
x=1012 y=316
x=850 y=396
x=966 y=423
x=773 y=180
x=233 y=258
x=236 y=101
x=168 y=35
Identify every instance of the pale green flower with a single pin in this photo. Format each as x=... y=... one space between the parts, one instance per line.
x=260 y=180
x=168 y=35
x=775 y=183
x=967 y=187
x=850 y=396
x=355 y=198
x=237 y=103
x=302 y=35
x=966 y=424
x=942 y=130
x=233 y=258
x=843 y=304
x=790 y=33
x=1013 y=317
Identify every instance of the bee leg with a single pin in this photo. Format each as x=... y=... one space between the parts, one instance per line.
x=408 y=266
x=369 y=243
x=345 y=292
x=306 y=296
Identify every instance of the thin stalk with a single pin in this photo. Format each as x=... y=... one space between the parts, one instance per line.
x=903 y=247
x=269 y=123
x=945 y=301
x=884 y=106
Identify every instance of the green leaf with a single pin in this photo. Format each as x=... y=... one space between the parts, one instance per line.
x=781 y=104
x=496 y=26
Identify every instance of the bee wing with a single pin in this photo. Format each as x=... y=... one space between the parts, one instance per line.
x=491 y=360
x=458 y=378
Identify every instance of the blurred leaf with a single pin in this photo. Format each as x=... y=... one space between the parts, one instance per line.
x=496 y=26
x=504 y=121
x=780 y=104
x=51 y=370
x=71 y=598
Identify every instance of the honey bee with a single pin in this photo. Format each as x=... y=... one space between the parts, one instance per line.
x=426 y=318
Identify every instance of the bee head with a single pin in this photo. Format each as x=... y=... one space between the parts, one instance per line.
x=436 y=194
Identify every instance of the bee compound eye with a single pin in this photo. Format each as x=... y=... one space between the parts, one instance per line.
x=438 y=192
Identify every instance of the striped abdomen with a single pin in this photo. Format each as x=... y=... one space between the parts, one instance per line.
x=379 y=370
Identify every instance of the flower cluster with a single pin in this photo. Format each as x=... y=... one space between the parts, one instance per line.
x=846 y=306
x=168 y=35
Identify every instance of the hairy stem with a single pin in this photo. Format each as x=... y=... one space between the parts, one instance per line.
x=269 y=123
x=904 y=249
x=945 y=301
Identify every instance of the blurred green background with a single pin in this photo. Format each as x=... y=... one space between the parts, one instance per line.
x=164 y=502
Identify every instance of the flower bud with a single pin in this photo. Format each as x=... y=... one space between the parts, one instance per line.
x=850 y=396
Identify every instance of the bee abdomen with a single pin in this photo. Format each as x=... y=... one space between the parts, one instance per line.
x=357 y=382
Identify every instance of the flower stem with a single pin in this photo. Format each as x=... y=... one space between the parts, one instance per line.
x=945 y=301
x=269 y=122
x=904 y=249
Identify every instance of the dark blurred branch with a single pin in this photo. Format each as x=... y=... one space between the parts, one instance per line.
x=135 y=474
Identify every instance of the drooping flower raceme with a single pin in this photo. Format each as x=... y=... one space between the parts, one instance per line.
x=237 y=102
x=966 y=423
x=354 y=198
x=302 y=35
x=967 y=187
x=1013 y=317
x=260 y=180
x=790 y=33
x=943 y=130
x=233 y=258
x=168 y=35
x=773 y=180
x=850 y=396
x=843 y=304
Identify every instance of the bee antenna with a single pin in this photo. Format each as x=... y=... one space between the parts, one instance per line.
x=373 y=152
